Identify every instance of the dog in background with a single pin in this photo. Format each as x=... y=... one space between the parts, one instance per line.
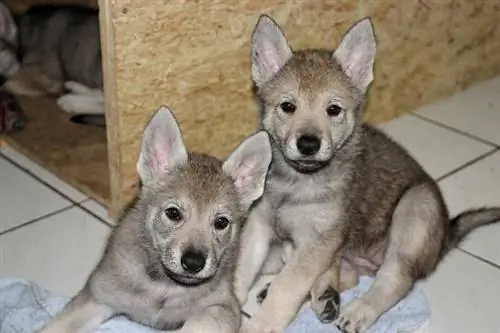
x=59 y=50
x=9 y=62
x=337 y=187
x=169 y=263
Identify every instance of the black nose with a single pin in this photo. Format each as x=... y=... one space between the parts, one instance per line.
x=193 y=261
x=308 y=144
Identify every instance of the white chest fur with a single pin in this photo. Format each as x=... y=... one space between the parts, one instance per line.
x=304 y=207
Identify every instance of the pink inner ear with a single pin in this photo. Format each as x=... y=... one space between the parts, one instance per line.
x=161 y=157
x=271 y=61
x=243 y=176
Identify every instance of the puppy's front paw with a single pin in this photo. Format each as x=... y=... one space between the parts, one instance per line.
x=261 y=296
x=356 y=317
x=326 y=305
x=255 y=326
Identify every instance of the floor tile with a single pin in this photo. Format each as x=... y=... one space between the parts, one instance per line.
x=23 y=198
x=58 y=253
x=463 y=296
x=43 y=174
x=437 y=149
x=98 y=210
x=476 y=186
x=475 y=111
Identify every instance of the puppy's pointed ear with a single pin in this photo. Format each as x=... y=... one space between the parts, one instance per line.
x=270 y=50
x=356 y=54
x=162 y=148
x=248 y=166
x=8 y=27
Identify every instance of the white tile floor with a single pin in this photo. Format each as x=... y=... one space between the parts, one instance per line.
x=52 y=234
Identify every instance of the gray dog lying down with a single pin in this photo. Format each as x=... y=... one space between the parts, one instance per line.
x=169 y=263
x=59 y=50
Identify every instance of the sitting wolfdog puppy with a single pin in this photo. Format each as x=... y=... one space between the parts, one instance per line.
x=169 y=262
x=337 y=186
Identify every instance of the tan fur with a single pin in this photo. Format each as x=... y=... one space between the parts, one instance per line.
x=355 y=195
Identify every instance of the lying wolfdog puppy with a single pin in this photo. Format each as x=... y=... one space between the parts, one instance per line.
x=169 y=262
x=337 y=186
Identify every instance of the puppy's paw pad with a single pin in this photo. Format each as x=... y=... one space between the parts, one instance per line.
x=356 y=317
x=261 y=296
x=327 y=305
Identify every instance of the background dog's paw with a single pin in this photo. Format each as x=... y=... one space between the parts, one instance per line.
x=326 y=305
x=74 y=103
x=77 y=88
x=356 y=317
x=261 y=296
x=68 y=103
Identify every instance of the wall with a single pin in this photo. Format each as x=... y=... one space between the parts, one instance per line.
x=194 y=56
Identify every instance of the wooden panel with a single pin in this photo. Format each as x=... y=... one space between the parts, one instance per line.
x=194 y=56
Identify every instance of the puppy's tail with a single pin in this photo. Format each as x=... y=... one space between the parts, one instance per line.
x=464 y=223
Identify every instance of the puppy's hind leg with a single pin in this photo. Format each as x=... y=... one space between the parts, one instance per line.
x=81 y=315
x=415 y=241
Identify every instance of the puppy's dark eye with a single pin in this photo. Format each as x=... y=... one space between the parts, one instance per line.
x=221 y=223
x=173 y=213
x=334 y=110
x=288 y=107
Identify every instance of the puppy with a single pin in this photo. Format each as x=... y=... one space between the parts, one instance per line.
x=337 y=188
x=169 y=263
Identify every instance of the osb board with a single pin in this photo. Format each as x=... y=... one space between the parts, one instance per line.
x=19 y=6
x=194 y=56
x=76 y=153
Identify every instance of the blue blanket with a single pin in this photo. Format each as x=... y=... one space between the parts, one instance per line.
x=26 y=307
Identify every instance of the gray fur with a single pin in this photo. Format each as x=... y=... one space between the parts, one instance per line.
x=58 y=44
x=9 y=63
x=360 y=197
x=142 y=273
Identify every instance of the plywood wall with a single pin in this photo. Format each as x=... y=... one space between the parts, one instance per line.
x=194 y=56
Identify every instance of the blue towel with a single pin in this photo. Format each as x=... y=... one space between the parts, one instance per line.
x=26 y=307
x=410 y=315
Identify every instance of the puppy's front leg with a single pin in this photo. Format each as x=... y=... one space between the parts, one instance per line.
x=291 y=287
x=254 y=249
x=220 y=318
x=81 y=315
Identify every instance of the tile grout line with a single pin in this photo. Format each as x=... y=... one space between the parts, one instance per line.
x=74 y=203
x=40 y=218
x=467 y=164
x=486 y=261
x=453 y=129
x=32 y=175
x=88 y=211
